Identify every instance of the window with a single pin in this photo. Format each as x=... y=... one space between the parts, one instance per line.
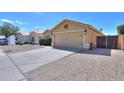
x=66 y=26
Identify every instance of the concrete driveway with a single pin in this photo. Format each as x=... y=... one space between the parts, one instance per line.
x=8 y=70
x=13 y=66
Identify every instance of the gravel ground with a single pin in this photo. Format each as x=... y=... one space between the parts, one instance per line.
x=99 y=64
x=19 y=48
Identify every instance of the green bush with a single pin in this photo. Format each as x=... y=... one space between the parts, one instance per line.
x=20 y=43
x=26 y=42
x=46 y=42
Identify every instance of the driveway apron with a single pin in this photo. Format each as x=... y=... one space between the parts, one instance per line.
x=30 y=60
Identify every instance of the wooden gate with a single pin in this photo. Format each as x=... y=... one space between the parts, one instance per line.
x=110 y=42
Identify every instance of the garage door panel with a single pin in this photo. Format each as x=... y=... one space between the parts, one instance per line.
x=72 y=40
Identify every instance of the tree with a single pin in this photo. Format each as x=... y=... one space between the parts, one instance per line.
x=120 y=29
x=8 y=29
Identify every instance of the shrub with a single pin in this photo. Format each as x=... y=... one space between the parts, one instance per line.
x=19 y=43
x=46 y=42
x=26 y=42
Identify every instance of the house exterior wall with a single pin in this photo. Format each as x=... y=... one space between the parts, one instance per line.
x=47 y=34
x=27 y=38
x=19 y=38
x=91 y=37
x=73 y=36
x=23 y=38
x=71 y=26
x=36 y=37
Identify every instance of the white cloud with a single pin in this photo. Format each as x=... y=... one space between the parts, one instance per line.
x=36 y=26
x=6 y=20
x=19 y=22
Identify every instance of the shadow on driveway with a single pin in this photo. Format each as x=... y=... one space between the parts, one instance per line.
x=68 y=49
x=98 y=51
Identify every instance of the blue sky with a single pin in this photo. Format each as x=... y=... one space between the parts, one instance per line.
x=29 y=21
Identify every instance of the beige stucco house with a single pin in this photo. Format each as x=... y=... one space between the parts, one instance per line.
x=36 y=36
x=47 y=34
x=33 y=36
x=40 y=34
x=74 y=34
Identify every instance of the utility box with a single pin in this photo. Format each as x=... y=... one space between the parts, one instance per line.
x=87 y=46
x=11 y=40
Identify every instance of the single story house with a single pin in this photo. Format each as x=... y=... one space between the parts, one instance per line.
x=23 y=37
x=47 y=34
x=39 y=34
x=72 y=34
x=33 y=37
x=36 y=36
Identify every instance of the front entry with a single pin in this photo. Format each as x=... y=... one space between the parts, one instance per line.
x=110 y=42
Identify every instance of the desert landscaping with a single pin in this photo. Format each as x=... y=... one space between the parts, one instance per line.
x=95 y=65
x=69 y=51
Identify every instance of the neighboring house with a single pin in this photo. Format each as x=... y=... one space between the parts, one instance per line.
x=74 y=34
x=33 y=37
x=23 y=37
x=30 y=37
x=40 y=34
x=47 y=34
x=36 y=36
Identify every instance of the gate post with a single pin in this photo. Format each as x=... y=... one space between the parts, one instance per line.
x=122 y=42
x=106 y=41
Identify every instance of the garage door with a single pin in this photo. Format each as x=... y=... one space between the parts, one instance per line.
x=70 y=40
